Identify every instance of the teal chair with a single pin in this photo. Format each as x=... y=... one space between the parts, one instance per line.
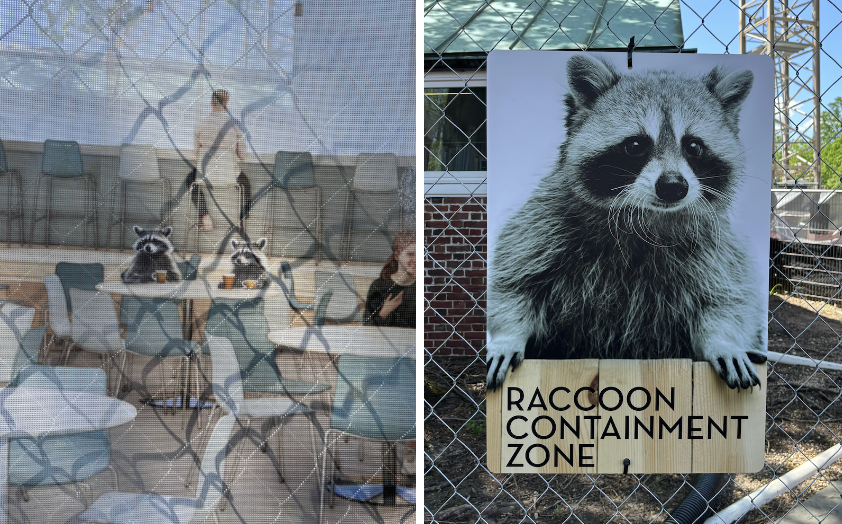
x=189 y=269
x=153 y=329
x=71 y=275
x=244 y=324
x=374 y=400
x=63 y=161
x=13 y=209
x=295 y=207
x=60 y=459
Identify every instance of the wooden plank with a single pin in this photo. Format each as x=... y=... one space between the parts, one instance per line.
x=530 y=453
x=713 y=400
x=493 y=429
x=654 y=385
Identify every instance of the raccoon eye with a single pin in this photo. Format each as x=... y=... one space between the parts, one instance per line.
x=636 y=145
x=693 y=147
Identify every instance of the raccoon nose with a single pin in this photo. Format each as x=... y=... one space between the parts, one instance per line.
x=671 y=187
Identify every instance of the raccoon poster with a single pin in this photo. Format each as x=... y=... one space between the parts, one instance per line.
x=628 y=209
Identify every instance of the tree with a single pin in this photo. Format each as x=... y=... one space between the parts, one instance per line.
x=832 y=145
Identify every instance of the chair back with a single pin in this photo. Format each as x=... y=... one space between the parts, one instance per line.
x=375 y=397
x=293 y=170
x=15 y=321
x=62 y=159
x=242 y=322
x=79 y=276
x=211 y=487
x=58 y=306
x=217 y=166
x=94 y=321
x=139 y=163
x=227 y=384
x=376 y=172
x=344 y=302
x=153 y=327
x=60 y=459
x=189 y=269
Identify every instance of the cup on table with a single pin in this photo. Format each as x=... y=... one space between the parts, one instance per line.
x=228 y=280
x=250 y=284
x=161 y=276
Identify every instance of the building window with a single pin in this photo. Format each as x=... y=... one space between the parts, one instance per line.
x=454 y=129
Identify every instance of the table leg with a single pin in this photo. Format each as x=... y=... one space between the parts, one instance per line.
x=4 y=479
x=390 y=473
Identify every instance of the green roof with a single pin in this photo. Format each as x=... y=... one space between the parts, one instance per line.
x=478 y=26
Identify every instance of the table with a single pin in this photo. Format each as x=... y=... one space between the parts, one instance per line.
x=370 y=341
x=187 y=291
x=34 y=412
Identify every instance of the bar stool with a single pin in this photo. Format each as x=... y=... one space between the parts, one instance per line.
x=370 y=207
x=11 y=211
x=295 y=207
x=63 y=160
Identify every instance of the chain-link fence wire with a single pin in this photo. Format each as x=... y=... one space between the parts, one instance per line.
x=307 y=111
x=803 y=402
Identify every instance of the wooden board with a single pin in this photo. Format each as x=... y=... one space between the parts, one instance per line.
x=711 y=398
x=534 y=424
x=525 y=455
x=665 y=382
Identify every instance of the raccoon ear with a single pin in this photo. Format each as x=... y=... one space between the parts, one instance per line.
x=166 y=231
x=731 y=89
x=138 y=231
x=589 y=79
x=260 y=244
x=234 y=244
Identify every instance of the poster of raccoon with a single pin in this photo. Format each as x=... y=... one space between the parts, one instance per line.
x=629 y=209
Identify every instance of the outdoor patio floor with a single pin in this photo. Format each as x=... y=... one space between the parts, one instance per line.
x=154 y=452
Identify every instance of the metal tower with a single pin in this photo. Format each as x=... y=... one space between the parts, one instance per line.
x=788 y=30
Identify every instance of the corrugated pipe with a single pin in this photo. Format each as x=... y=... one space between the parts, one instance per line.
x=693 y=508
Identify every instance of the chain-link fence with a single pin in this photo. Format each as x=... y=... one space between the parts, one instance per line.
x=198 y=197
x=803 y=401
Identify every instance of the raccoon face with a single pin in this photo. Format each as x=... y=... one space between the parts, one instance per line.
x=153 y=241
x=654 y=141
x=245 y=255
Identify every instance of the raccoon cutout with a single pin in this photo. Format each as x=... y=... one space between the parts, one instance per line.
x=626 y=248
x=249 y=263
x=154 y=253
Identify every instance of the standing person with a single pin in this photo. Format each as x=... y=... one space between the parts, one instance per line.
x=217 y=136
x=391 y=298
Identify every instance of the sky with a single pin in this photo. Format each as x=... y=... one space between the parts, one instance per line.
x=721 y=24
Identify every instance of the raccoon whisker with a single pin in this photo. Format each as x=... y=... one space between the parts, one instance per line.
x=619 y=168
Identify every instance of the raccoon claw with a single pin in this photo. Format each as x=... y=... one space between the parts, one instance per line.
x=736 y=370
x=498 y=365
x=757 y=357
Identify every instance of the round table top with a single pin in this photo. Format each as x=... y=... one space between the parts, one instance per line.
x=372 y=341
x=32 y=412
x=187 y=289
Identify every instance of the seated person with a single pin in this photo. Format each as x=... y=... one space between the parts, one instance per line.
x=391 y=298
x=215 y=135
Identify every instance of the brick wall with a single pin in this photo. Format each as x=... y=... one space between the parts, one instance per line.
x=455 y=229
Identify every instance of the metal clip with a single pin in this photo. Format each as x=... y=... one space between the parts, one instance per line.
x=626 y=462
x=631 y=50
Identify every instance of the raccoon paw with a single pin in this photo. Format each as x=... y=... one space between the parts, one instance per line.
x=499 y=357
x=736 y=369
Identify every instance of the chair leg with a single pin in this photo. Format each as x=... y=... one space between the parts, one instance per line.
x=70 y=345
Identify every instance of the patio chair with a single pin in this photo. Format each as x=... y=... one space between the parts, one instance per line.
x=139 y=171
x=63 y=161
x=95 y=328
x=343 y=303
x=370 y=208
x=373 y=400
x=243 y=323
x=153 y=329
x=189 y=269
x=60 y=459
x=295 y=208
x=68 y=275
x=149 y=508
x=19 y=343
x=228 y=392
x=13 y=209
x=286 y=282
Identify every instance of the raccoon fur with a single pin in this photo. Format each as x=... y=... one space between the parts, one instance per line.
x=249 y=263
x=154 y=253
x=626 y=248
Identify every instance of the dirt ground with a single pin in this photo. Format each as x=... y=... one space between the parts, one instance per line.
x=804 y=418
